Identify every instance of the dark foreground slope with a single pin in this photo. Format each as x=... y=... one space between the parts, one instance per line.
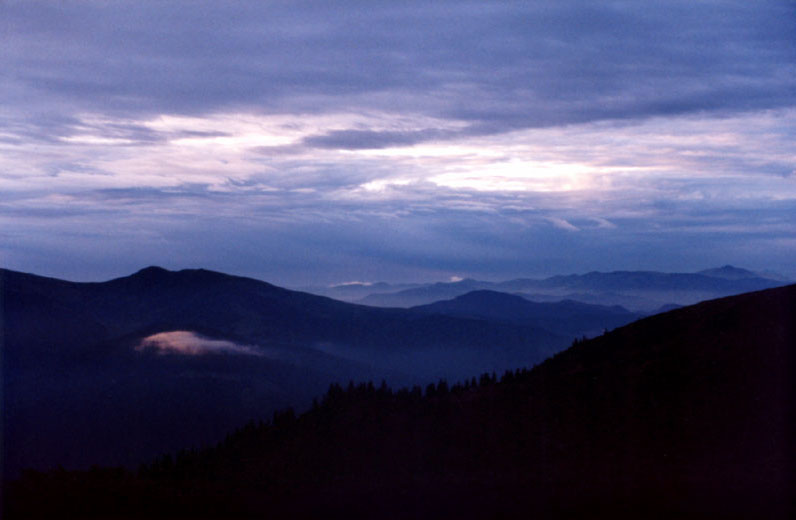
x=687 y=413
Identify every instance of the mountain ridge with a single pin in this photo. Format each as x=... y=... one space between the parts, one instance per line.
x=568 y=317
x=640 y=291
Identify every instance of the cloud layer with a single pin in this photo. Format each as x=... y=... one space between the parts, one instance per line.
x=308 y=142
x=190 y=343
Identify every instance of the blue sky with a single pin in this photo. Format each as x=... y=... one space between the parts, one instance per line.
x=319 y=142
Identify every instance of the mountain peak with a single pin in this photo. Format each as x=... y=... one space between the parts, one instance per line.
x=729 y=272
x=151 y=271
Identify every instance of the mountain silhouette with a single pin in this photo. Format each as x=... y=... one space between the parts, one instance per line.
x=45 y=313
x=566 y=317
x=729 y=272
x=86 y=381
x=683 y=414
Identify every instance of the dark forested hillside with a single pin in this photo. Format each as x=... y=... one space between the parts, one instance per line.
x=688 y=413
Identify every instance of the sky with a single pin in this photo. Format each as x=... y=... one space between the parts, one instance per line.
x=309 y=143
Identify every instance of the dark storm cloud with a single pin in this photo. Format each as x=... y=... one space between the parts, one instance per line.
x=496 y=66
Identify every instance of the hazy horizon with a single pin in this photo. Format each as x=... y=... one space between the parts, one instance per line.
x=774 y=275
x=306 y=143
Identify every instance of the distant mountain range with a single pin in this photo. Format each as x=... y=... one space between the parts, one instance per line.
x=114 y=371
x=639 y=291
x=686 y=414
x=354 y=291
